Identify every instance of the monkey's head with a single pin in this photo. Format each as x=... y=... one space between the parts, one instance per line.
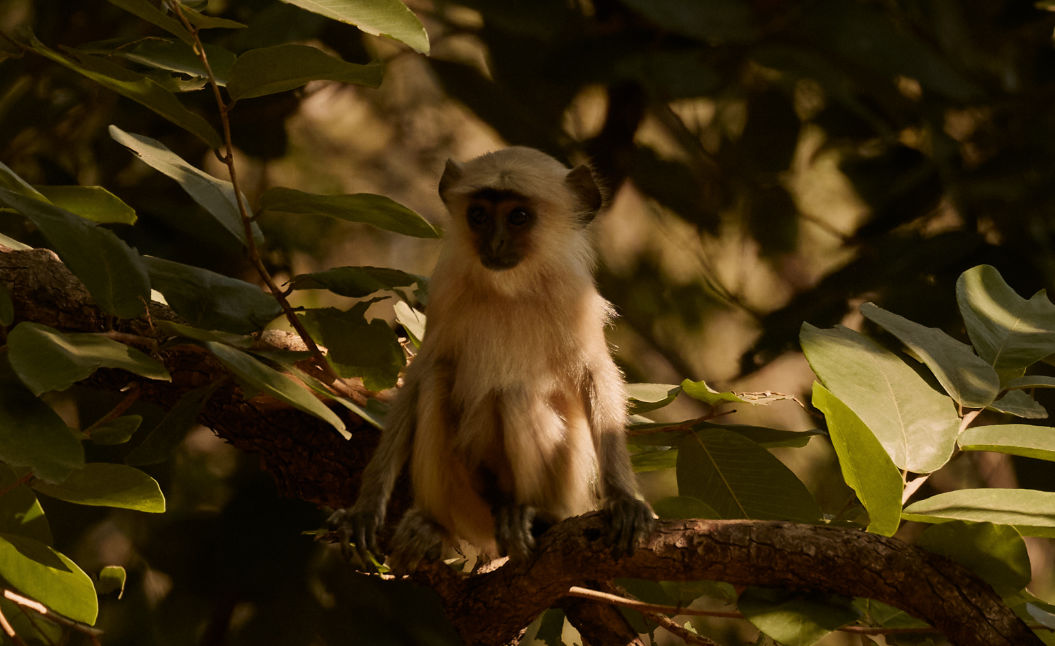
x=520 y=208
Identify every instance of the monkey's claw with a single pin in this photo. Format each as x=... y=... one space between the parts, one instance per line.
x=357 y=530
x=630 y=520
x=513 y=530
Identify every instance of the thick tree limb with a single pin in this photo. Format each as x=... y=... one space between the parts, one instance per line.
x=310 y=461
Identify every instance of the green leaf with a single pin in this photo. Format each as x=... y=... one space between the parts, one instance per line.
x=20 y=511
x=355 y=282
x=141 y=89
x=100 y=484
x=412 y=321
x=865 y=465
x=1031 y=381
x=270 y=70
x=274 y=383
x=915 y=424
x=963 y=374
x=163 y=439
x=93 y=203
x=654 y=459
x=214 y=195
x=740 y=479
x=11 y=243
x=44 y=575
x=996 y=553
x=190 y=332
x=112 y=578
x=701 y=391
x=150 y=12
x=368 y=413
x=179 y=57
x=10 y=180
x=377 y=210
x=1019 y=404
x=46 y=359
x=7 y=306
x=357 y=347
x=203 y=21
x=649 y=397
x=683 y=507
x=31 y=434
x=1016 y=439
x=795 y=618
x=110 y=269
x=389 y=18
x=211 y=300
x=116 y=431
x=1031 y=512
x=1008 y=331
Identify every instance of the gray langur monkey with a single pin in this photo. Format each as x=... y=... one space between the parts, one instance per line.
x=512 y=414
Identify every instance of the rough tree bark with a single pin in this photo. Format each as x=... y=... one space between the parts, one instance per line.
x=308 y=460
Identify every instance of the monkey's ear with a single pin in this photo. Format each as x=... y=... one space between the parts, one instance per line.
x=452 y=172
x=584 y=186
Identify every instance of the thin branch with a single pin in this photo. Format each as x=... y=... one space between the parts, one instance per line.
x=118 y=410
x=684 y=633
x=227 y=158
x=43 y=611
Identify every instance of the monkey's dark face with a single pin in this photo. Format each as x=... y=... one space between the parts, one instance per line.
x=501 y=224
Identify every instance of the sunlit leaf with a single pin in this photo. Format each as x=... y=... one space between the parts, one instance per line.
x=355 y=282
x=267 y=380
x=916 y=425
x=376 y=210
x=46 y=359
x=139 y=88
x=412 y=321
x=795 y=618
x=1020 y=404
x=1031 y=512
x=270 y=70
x=1008 y=331
x=357 y=347
x=112 y=579
x=996 y=553
x=648 y=397
x=963 y=374
x=93 y=203
x=1016 y=439
x=1031 y=381
x=211 y=300
x=214 y=195
x=740 y=479
x=100 y=484
x=865 y=465
x=111 y=270
x=44 y=575
x=31 y=434
x=389 y=18
x=701 y=391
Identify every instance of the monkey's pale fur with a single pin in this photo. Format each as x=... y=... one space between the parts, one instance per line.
x=514 y=379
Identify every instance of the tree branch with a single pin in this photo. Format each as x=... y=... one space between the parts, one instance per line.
x=308 y=460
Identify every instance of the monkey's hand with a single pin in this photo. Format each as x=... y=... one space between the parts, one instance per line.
x=359 y=528
x=418 y=538
x=513 y=530
x=630 y=520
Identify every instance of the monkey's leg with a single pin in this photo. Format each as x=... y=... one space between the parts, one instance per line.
x=417 y=538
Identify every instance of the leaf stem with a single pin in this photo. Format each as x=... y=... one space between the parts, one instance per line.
x=252 y=251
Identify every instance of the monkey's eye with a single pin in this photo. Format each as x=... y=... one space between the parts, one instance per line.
x=519 y=217
x=477 y=216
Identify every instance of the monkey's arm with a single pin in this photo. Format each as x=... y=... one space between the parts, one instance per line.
x=631 y=518
x=360 y=522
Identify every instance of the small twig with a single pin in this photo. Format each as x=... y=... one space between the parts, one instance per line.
x=133 y=339
x=43 y=611
x=227 y=158
x=967 y=419
x=685 y=634
x=9 y=630
x=17 y=483
x=118 y=410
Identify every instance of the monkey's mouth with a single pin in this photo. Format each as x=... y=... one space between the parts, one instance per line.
x=499 y=263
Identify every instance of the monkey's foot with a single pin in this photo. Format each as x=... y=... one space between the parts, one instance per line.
x=418 y=538
x=630 y=520
x=358 y=530
x=513 y=530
